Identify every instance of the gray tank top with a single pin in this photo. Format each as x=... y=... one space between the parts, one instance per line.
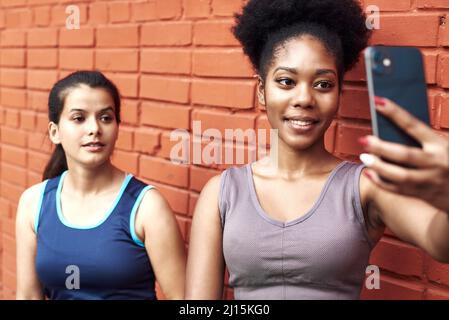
x=321 y=255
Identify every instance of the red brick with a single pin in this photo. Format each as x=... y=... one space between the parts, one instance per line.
x=437 y=272
x=118 y=36
x=14 y=175
x=13 y=3
x=394 y=289
x=166 y=61
x=42 y=37
x=12 y=38
x=200 y=176
x=354 y=103
x=83 y=37
x=126 y=161
x=165 y=89
x=125 y=139
x=39 y=142
x=222 y=63
x=37 y=100
x=387 y=5
x=444 y=34
x=12 y=57
x=117 y=60
x=357 y=73
x=37 y=160
x=126 y=83
x=18 y=18
x=196 y=8
x=11 y=192
x=41 y=79
x=164 y=171
x=235 y=94
x=98 y=13
x=168 y=9
x=76 y=59
x=443 y=70
x=12 y=118
x=430 y=66
x=5 y=209
x=407 y=30
x=13 y=98
x=347 y=136
x=444 y=112
x=12 y=78
x=432 y=4
x=329 y=137
x=214 y=33
x=165 y=115
x=42 y=16
x=14 y=155
x=146 y=140
x=13 y=137
x=27 y=120
x=143 y=11
x=398 y=257
x=41 y=122
x=193 y=199
x=226 y=8
x=129 y=112
x=119 y=12
x=42 y=58
x=155 y=34
x=221 y=120
x=34 y=178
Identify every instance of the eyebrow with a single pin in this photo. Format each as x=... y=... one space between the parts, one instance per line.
x=318 y=72
x=82 y=110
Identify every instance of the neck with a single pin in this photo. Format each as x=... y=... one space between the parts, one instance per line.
x=294 y=163
x=86 y=182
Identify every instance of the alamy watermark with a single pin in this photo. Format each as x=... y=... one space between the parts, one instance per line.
x=72 y=282
x=207 y=147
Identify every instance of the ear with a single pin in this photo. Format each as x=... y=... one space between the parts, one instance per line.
x=261 y=92
x=53 y=133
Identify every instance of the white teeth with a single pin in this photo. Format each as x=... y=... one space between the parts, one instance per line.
x=301 y=123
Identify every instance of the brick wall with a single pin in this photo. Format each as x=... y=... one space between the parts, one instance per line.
x=175 y=61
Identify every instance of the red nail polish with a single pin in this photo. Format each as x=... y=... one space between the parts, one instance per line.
x=379 y=101
x=368 y=175
x=363 y=141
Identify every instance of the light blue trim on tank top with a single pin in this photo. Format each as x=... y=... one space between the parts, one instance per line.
x=39 y=206
x=133 y=216
x=74 y=226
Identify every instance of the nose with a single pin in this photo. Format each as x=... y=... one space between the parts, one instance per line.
x=93 y=127
x=303 y=96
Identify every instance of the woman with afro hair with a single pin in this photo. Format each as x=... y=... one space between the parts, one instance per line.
x=303 y=227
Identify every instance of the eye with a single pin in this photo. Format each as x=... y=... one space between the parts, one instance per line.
x=285 y=82
x=106 y=118
x=325 y=85
x=77 y=118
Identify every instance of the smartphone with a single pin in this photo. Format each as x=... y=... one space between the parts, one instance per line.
x=396 y=73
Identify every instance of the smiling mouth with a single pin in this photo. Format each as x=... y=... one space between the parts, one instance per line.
x=300 y=126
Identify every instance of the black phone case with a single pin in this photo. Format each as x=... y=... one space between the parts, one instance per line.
x=401 y=79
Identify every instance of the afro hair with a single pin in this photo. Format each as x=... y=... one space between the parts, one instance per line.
x=340 y=24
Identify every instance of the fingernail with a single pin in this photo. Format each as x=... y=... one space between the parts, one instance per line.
x=379 y=101
x=368 y=174
x=364 y=141
x=367 y=159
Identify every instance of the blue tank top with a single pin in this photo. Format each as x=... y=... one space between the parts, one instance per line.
x=101 y=261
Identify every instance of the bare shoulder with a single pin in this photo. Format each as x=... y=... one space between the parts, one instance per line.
x=28 y=203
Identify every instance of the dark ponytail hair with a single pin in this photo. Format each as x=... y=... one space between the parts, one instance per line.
x=94 y=79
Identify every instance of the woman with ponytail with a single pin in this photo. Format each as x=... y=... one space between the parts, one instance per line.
x=90 y=230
